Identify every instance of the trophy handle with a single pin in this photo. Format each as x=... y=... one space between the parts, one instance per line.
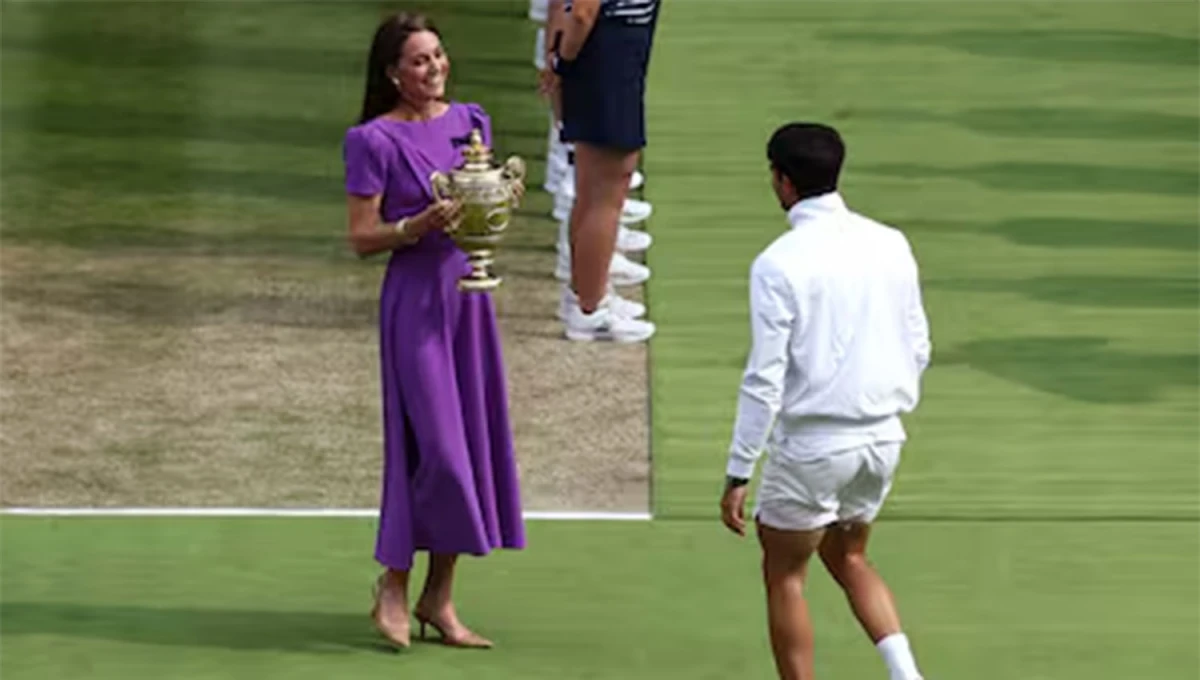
x=514 y=169
x=440 y=184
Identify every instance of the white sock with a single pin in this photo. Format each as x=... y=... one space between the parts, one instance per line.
x=899 y=657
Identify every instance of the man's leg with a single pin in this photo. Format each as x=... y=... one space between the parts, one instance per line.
x=844 y=552
x=785 y=567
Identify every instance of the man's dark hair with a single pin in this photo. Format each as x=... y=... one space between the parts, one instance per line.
x=808 y=154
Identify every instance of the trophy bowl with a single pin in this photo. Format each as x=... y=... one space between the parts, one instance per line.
x=488 y=196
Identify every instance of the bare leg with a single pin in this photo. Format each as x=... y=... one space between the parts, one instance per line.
x=436 y=608
x=843 y=550
x=785 y=567
x=844 y=553
x=391 y=607
x=601 y=185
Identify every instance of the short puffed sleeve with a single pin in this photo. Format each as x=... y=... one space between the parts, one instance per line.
x=363 y=156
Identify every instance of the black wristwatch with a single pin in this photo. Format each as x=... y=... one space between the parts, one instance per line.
x=732 y=482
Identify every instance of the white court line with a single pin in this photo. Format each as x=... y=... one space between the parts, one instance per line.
x=296 y=512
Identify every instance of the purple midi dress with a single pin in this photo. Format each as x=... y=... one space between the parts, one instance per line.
x=450 y=482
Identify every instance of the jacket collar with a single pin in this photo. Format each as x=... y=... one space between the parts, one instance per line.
x=815 y=207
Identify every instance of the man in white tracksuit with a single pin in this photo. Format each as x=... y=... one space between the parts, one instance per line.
x=840 y=341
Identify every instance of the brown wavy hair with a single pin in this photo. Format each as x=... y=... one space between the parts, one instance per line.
x=381 y=94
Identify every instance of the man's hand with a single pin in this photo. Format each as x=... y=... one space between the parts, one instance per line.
x=733 y=508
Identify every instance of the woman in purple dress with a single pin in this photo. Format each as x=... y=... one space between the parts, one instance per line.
x=450 y=484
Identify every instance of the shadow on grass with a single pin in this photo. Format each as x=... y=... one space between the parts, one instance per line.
x=1089 y=291
x=163 y=52
x=1070 y=232
x=138 y=238
x=308 y=632
x=164 y=303
x=1082 y=369
x=134 y=238
x=1049 y=123
x=1104 y=47
x=1049 y=177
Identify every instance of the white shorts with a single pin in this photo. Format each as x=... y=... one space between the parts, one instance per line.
x=802 y=494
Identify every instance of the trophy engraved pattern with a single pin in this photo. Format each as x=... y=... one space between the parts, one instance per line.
x=487 y=194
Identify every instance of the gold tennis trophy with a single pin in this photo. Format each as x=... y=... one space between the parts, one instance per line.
x=488 y=194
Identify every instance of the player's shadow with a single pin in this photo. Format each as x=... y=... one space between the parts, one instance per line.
x=306 y=631
x=1080 y=368
x=1071 y=232
x=1108 y=47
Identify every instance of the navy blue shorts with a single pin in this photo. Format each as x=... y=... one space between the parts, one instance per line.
x=604 y=87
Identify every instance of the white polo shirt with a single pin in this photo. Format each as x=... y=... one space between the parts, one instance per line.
x=839 y=337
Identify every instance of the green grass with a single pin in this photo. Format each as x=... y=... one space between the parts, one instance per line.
x=1041 y=156
x=173 y=224
x=217 y=125
x=251 y=598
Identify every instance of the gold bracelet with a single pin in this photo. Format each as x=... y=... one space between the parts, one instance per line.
x=401 y=229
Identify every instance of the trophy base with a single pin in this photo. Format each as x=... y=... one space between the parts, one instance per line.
x=480 y=280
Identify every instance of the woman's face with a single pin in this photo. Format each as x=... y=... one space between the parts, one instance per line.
x=423 y=68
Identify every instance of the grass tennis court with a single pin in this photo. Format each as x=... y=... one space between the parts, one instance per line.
x=181 y=167
x=1048 y=182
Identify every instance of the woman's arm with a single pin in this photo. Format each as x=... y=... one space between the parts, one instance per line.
x=577 y=26
x=368 y=235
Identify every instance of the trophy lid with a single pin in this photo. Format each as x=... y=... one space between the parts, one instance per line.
x=477 y=155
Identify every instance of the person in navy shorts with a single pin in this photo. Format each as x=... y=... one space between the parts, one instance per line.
x=600 y=59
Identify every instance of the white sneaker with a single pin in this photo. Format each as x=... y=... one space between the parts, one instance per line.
x=632 y=212
x=605 y=324
x=632 y=240
x=625 y=272
x=621 y=272
x=635 y=211
x=630 y=309
x=554 y=179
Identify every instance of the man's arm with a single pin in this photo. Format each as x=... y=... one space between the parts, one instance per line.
x=772 y=315
x=917 y=322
